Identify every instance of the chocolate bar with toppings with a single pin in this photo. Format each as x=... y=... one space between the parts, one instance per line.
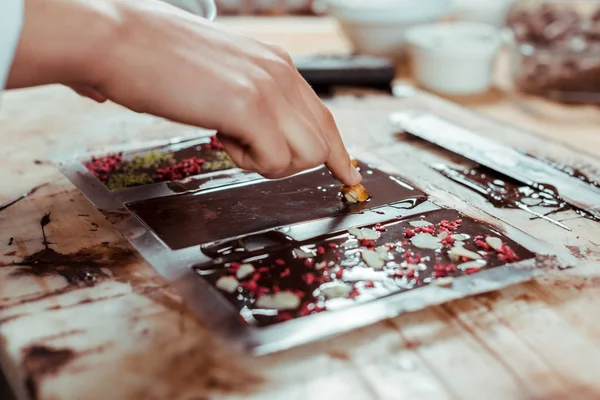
x=360 y=265
x=120 y=171
x=198 y=218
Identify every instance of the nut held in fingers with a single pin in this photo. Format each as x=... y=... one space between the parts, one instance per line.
x=355 y=194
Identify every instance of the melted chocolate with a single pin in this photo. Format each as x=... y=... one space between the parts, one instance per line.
x=193 y=219
x=338 y=259
x=573 y=171
x=13 y=202
x=226 y=178
x=120 y=171
x=504 y=192
x=40 y=361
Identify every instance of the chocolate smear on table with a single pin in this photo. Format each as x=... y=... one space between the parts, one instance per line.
x=198 y=218
x=40 y=361
x=360 y=265
x=583 y=172
x=82 y=268
x=23 y=196
x=504 y=192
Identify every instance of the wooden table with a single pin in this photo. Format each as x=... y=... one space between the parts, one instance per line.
x=125 y=335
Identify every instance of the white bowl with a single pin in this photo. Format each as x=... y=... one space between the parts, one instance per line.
x=492 y=12
x=204 y=8
x=377 y=26
x=454 y=58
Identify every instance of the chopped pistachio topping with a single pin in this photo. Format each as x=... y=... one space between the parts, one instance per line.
x=121 y=181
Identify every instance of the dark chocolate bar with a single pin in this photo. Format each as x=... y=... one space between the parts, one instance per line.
x=192 y=219
x=360 y=265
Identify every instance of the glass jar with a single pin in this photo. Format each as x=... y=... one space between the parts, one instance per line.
x=555 y=49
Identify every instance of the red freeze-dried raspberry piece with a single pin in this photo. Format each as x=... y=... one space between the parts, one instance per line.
x=250 y=286
x=481 y=244
x=333 y=245
x=412 y=258
x=409 y=233
x=276 y=289
x=369 y=284
x=263 y=270
x=102 y=166
x=470 y=271
x=366 y=243
x=309 y=262
x=321 y=250
x=309 y=278
x=439 y=274
x=262 y=290
x=285 y=316
x=214 y=144
x=182 y=169
x=410 y=273
x=234 y=266
x=280 y=262
x=339 y=273
x=309 y=308
x=506 y=253
x=447 y=240
x=353 y=293
x=286 y=272
x=380 y=228
x=404 y=243
x=256 y=276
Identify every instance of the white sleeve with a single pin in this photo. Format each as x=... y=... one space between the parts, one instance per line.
x=11 y=23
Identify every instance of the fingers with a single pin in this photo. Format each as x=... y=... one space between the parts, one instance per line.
x=338 y=160
x=89 y=92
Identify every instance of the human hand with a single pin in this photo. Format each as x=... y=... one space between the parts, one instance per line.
x=154 y=58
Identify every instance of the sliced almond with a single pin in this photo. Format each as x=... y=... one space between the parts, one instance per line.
x=472 y=264
x=333 y=290
x=227 y=284
x=445 y=281
x=354 y=231
x=372 y=259
x=320 y=265
x=460 y=237
x=279 y=301
x=456 y=252
x=382 y=252
x=443 y=235
x=244 y=271
x=303 y=254
x=369 y=234
x=494 y=242
x=426 y=241
x=364 y=233
x=418 y=224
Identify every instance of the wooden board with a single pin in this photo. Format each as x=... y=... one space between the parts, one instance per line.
x=128 y=337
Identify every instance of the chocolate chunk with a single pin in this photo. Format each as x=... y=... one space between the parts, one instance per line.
x=556 y=52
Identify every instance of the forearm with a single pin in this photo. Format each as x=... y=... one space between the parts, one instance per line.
x=63 y=41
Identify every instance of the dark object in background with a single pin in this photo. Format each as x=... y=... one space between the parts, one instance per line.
x=5 y=391
x=324 y=73
x=265 y=7
x=557 y=50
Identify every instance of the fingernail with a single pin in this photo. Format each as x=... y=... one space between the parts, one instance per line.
x=355 y=175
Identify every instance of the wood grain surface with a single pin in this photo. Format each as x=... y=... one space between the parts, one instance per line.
x=118 y=332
